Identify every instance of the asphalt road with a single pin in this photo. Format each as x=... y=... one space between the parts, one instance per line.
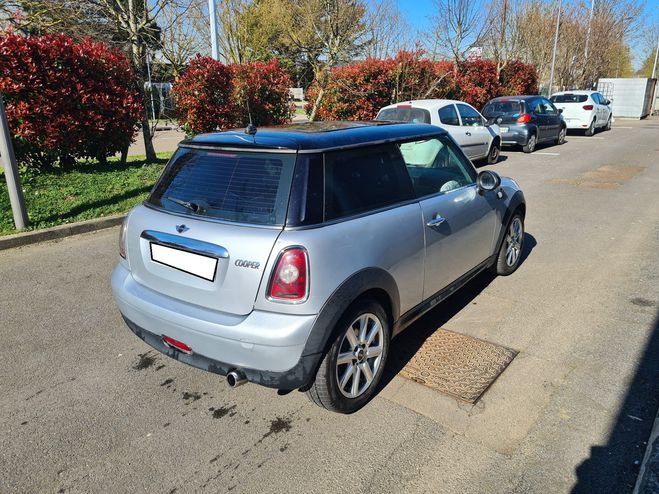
x=87 y=407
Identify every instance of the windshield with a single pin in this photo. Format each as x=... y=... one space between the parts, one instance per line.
x=241 y=187
x=569 y=98
x=503 y=107
x=404 y=114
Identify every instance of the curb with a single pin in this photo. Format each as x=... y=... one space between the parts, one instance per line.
x=648 y=475
x=61 y=231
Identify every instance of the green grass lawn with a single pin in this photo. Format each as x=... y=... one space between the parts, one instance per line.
x=89 y=190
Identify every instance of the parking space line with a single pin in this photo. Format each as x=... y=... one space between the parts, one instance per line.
x=546 y=154
x=618 y=127
x=584 y=137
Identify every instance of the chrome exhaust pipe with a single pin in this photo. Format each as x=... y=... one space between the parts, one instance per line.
x=236 y=378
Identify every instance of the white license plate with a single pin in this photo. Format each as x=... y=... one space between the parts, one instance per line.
x=188 y=262
x=503 y=129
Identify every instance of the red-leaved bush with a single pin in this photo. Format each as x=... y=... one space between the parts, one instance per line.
x=518 y=78
x=265 y=85
x=66 y=100
x=212 y=96
x=357 y=91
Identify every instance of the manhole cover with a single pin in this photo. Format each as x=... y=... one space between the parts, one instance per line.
x=452 y=363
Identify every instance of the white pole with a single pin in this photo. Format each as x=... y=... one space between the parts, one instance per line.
x=11 y=172
x=213 y=21
x=590 y=20
x=656 y=52
x=553 y=57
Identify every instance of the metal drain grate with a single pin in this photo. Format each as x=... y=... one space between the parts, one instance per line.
x=452 y=363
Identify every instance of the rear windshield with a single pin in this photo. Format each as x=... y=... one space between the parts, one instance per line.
x=240 y=187
x=569 y=98
x=404 y=114
x=500 y=108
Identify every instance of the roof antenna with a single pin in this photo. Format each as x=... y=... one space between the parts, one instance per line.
x=251 y=128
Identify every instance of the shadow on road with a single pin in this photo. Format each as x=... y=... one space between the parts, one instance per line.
x=414 y=336
x=612 y=468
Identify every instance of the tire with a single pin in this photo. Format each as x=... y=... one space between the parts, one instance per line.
x=506 y=263
x=561 y=136
x=591 y=130
x=608 y=124
x=493 y=154
x=326 y=390
x=529 y=147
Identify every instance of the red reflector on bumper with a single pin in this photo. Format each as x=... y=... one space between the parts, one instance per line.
x=178 y=345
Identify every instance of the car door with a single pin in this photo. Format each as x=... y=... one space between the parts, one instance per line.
x=553 y=119
x=459 y=223
x=602 y=109
x=476 y=135
x=449 y=121
x=539 y=117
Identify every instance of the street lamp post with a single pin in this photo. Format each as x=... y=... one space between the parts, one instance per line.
x=213 y=22
x=553 y=57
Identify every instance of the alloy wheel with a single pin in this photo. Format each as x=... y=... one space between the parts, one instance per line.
x=561 y=136
x=514 y=241
x=531 y=143
x=360 y=355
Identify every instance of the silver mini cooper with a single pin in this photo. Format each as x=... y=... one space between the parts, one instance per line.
x=291 y=257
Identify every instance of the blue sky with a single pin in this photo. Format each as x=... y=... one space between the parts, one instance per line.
x=417 y=11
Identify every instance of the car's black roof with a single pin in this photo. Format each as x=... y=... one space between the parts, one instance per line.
x=516 y=97
x=314 y=136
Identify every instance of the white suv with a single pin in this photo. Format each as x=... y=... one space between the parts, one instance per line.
x=584 y=110
x=477 y=138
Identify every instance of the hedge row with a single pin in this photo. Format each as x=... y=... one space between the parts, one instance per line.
x=212 y=96
x=66 y=100
x=357 y=91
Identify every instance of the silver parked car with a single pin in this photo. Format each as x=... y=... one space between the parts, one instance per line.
x=478 y=138
x=291 y=257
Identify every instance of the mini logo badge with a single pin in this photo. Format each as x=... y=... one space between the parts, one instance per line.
x=181 y=228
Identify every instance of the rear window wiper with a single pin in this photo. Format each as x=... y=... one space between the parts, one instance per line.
x=194 y=207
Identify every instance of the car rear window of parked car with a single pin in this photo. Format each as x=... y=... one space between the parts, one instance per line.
x=239 y=187
x=501 y=108
x=404 y=114
x=569 y=98
x=448 y=115
x=365 y=179
x=436 y=166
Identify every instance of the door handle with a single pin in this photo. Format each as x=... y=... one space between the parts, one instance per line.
x=468 y=133
x=435 y=222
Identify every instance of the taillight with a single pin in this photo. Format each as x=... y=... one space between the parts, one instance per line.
x=178 y=345
x=587 y=107
x=122 y=238
x=289 y=280
x=524 y=118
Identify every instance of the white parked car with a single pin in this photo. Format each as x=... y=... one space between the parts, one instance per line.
x=584 y=110
x=477 y=138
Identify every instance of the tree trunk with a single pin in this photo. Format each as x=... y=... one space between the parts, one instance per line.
x=316 y=105
x=124 y=156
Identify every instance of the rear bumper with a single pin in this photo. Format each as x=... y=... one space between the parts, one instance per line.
x=515 y=136
x=267 y=347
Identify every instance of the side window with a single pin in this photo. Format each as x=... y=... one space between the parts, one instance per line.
x=448 y=115
x=436 y=166
x=550 y=109
x=469 y=116
x=538 y=107
x=597 y=97
x=361 y=180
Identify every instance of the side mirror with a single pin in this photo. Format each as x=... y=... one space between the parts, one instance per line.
x=560 y=110
x=487 y=181
x=607 y=102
